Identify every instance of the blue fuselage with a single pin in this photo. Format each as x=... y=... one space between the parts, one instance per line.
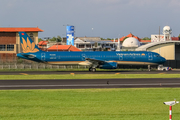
x=128 y=57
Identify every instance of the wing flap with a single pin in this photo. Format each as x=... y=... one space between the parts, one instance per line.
x=95 y=60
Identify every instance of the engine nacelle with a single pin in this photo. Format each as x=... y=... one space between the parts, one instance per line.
x=108 y=65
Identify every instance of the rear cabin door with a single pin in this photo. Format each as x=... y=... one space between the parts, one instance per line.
x=121 y=57
x=43 y=56
x=83 y=57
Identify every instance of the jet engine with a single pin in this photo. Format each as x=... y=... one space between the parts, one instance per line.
x=108 y=65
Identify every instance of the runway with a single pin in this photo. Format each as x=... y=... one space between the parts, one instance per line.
x=89 y=83
x=85 y=72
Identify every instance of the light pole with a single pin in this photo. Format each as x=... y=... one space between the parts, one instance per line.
x=92 y=31
x=170 y=103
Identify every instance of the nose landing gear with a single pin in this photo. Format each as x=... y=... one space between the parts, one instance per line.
x=149 y=67
x=92 y=69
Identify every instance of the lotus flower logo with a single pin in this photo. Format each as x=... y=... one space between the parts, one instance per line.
x=143 y=54
x=28 y=47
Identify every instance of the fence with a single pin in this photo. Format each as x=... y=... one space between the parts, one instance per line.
x=18 y=63
x=41 y=66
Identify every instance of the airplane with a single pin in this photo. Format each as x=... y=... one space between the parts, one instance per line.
x=94 y=59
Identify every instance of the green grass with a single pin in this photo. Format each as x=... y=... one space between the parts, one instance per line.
x=87 y=76
x=89 y=104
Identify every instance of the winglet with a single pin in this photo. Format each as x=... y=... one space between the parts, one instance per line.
x=27 y=44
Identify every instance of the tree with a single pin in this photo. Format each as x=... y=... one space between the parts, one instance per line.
x=146 y=38
x=56 y=39
x=59 y=39
x=39 y=39
x=179 y=35
x=109 y=39
x=52 y=39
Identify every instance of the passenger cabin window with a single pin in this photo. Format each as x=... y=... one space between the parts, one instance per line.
x=156 y=55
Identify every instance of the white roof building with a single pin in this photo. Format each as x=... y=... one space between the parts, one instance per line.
x=131 y=42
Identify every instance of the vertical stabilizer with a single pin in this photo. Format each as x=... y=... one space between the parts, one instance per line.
x=27 y=44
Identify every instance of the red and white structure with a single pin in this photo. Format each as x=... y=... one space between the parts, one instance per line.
x=170 y=103
x=170 y=112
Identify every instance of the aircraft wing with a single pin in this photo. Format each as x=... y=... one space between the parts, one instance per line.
x=95 y=60
x=98 y=63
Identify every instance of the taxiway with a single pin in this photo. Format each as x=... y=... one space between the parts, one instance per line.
x=89 y=83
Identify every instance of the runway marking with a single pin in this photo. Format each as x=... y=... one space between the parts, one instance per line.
x=117 y=73
x=23 y=73
x=84 y=85
x=72 y=74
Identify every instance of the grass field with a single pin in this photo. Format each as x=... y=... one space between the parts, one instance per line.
x=89 y=104
x=87 y=76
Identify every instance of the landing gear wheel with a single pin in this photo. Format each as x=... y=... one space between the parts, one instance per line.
x=93 y=69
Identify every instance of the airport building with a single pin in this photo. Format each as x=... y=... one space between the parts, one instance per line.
x=63 y=48
x=10 y=41
x=131 y=42
x=94 y=44
x=127 y=43
x=167 y=46
x=167 y=31
x=167 y=49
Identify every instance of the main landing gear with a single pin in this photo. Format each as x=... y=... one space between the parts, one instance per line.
x=92 y=69
x=149 y=67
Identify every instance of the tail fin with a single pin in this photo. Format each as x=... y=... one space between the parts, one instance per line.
x=27 y=44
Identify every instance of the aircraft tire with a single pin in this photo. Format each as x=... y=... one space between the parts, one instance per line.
x=90 y=69
x=93 y=69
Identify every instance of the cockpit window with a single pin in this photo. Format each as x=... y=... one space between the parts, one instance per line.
x=156 y=55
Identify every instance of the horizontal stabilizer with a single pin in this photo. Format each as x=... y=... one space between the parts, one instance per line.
x=29 y=56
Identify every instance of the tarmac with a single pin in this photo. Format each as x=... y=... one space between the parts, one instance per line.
x=90 y=83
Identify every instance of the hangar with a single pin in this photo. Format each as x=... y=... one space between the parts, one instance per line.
x=167 y=49
x=10 y=41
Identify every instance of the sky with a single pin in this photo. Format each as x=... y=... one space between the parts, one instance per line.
x=92 y=18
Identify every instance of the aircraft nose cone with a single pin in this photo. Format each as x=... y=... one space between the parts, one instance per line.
x=163 y=60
